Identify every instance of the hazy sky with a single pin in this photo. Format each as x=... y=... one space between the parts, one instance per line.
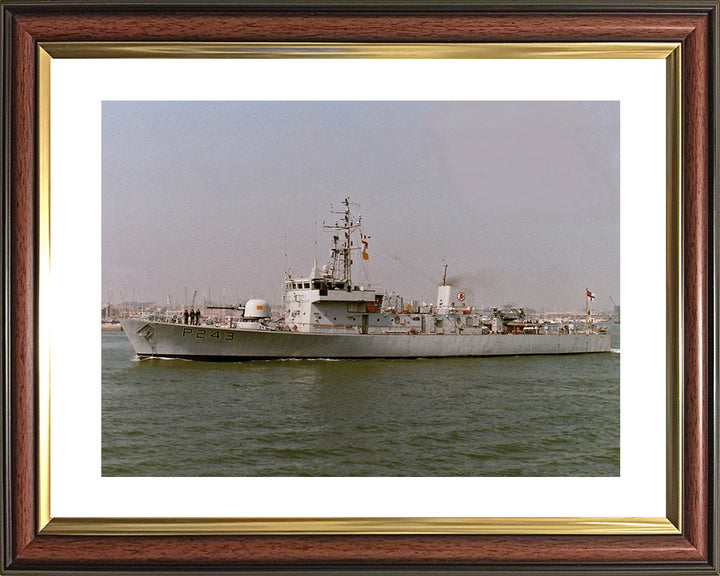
x=520 y=199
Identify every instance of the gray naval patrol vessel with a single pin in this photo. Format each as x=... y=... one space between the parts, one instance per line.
x=327 y=315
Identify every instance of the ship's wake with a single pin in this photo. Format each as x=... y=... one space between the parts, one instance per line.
x=304 y=359
x=151 y=358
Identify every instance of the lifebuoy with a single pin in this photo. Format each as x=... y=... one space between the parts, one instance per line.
x=461 y=296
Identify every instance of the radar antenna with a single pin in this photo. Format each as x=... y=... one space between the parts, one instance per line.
x=341 y=251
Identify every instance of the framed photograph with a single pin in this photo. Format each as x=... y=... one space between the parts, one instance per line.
x=359 y=270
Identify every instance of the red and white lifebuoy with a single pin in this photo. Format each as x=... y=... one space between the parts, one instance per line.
x=461 y=296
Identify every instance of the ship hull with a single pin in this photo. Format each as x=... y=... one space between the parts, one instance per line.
x=157 y=339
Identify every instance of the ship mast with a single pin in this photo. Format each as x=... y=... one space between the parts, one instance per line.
x=342 y=243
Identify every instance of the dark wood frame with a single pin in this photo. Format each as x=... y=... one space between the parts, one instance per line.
x=692 y=23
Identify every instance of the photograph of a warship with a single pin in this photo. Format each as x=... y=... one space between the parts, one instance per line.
x=328 y=315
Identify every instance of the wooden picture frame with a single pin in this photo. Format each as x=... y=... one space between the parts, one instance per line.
x=27 y=25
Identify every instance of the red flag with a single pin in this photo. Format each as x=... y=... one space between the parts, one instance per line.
x=363 y=238
x=590 y=295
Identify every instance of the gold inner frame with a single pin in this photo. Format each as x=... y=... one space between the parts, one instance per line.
x=671 y=524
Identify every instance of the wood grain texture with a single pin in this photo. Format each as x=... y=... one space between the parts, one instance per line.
x=358 y=28
x=22 y=286
x=696 y=203
x=218 y=552
x=690 y=550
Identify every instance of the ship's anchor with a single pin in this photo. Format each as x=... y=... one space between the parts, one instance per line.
x=148 y=332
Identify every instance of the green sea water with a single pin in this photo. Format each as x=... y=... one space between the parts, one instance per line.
x=502 y=416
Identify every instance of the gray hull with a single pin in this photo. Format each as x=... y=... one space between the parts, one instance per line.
x=157 y=339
